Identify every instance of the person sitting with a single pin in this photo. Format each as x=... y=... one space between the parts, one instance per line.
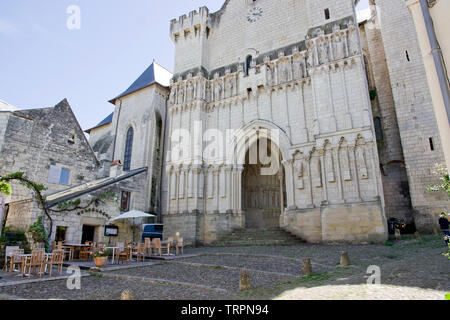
x=445 y=227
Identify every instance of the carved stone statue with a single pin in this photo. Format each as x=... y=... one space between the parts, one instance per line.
x=230 y=87
x=323 y=52
x=189 y=92
x=284 y=72
x=269 y=76
x=217 y=91
x=361 y=161
x=172 y=96
x=300 y=174
x=352 y=39
x=180 y=95
x=298 y=69
x=338 y=47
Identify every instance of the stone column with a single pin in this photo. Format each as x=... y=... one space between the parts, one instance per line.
x=324 y=176
x=355 y=170
x=216 y=178
x=281 y=178
x=240 y=170
x=228 y=171
x=169 y=187
x=339 y=175
x=290 y=183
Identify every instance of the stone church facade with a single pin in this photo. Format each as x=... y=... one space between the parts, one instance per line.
x=305 y=81
x=301 y=83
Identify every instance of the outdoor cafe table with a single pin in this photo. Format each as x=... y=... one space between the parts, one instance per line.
x=75 y=247
x=114 y=253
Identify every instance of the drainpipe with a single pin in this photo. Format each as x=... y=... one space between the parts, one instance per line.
x=437 y=56
x=115 y=135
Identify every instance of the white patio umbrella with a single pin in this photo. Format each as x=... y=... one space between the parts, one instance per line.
x=134 y=214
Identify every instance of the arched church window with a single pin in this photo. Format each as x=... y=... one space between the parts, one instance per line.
x=248 y=63
x=378 y=128
x=128 y=150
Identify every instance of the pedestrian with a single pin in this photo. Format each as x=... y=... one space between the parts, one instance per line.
x=445 y=226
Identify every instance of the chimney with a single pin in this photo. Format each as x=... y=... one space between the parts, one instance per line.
x=116 y=168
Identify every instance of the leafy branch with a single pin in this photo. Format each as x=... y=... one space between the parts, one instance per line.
x=441 y=170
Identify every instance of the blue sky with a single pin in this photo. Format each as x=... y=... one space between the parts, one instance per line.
x=43 y=62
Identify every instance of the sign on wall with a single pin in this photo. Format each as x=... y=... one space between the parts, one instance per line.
x=111 y=231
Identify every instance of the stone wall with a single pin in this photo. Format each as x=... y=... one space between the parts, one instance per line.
x=306 y=81
x=394 y=176
x=141 y=111
x=414 y=110
x=38 y=138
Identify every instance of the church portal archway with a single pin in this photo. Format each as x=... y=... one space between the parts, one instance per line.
x=263 y=190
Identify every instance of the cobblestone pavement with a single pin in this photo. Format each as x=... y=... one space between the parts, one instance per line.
x=215 y=277
x=409 y=270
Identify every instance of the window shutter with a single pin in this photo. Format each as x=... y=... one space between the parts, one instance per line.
x=54 y=174
x=65 y=175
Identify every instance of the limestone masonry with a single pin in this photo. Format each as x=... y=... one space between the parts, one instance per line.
x=344 y=118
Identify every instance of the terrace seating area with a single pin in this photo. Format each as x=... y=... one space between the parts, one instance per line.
x=39 y=263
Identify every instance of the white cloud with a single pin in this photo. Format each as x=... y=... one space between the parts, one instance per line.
x=7 y=29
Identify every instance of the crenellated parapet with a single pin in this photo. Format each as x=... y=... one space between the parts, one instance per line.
x=191 y=25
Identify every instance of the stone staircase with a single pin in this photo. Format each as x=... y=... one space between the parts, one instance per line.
x=255 y=237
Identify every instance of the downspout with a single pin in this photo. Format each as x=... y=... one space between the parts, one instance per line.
x=163 y=160
x=115 y=135
x=437 y=56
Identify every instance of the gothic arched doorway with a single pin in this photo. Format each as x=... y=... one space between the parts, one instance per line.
x=263 y=189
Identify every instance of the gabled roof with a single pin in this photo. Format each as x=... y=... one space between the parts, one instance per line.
x=105 y=121
x=5 y=106
x=154 y=74
x=78 y=191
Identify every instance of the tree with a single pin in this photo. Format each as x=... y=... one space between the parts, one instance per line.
x=441 y=170
x=5 y=188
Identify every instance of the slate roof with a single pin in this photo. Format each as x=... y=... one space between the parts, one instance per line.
x=78 y=191
x=154 y=74
x=107 y=120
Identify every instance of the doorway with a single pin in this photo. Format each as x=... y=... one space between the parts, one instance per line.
x=88 y=234
x=263 y=194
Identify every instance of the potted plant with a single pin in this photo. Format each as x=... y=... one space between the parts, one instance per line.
x=100 y=256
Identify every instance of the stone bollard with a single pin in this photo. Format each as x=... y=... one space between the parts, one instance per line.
x=345 y=260
x=244 y=283
x=398 y=235
x=126 y=295
x=417 y=236
x=307 y=268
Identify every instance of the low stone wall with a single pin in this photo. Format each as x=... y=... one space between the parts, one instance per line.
x=359 y=222
x=196 y=228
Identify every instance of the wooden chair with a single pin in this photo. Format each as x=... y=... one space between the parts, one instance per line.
x=148 y=246
x=125 y=255
x=16 y=259
x=8 y=255
x=180 y=245
x=54 y=245
x=139 y=251
x=67 y=251
x=85 y=252
x=156 y=244
x=35 y=261
x=57 y=258
x=170 y=244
